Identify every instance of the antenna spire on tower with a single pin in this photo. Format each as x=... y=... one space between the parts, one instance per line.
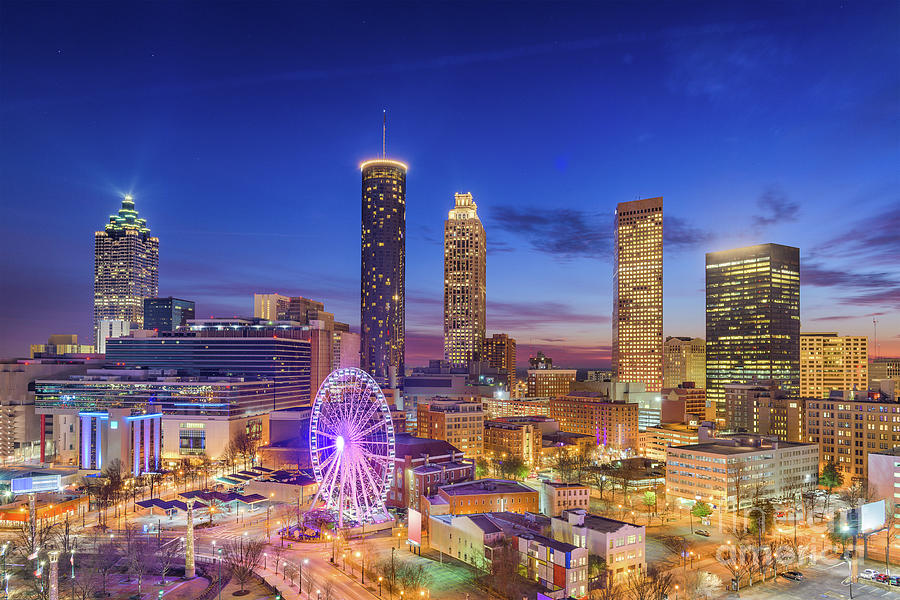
x=384 y=134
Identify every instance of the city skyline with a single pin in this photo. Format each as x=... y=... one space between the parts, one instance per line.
x=232 y=224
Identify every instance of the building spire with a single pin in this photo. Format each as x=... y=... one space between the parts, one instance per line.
x=384 y=133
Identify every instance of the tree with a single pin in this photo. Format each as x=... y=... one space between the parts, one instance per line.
x=597 y=576
x=738 y=559
x=891 y=523
x=482 y=468
x=612 y=591
x=701 y=510
x=564 y=466
x=412 y=578
x=650 y=585
x=504 y=578
x=649 y=502
x=830 y=478
x=245 y=447
x=170 y=554
x=86 y=584
x=243 y=557
x=290 y=571
x=703 y=584
x=140 y=554
x=106 y=556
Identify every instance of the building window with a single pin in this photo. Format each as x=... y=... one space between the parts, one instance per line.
x=191 y=441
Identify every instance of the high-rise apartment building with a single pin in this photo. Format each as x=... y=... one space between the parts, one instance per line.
x=684 y=359
x=126 y=267
x=500 y=352
x=637 y=353
x=460 y=423
x=829 y=361
x=167 y=314
x=383 y=270
x=464 y=283
x=752 y=318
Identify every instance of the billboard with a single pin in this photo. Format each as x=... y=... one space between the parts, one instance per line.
x=38 y=483
x=414 y=529
x=871 y=517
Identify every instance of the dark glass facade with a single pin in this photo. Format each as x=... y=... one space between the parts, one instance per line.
x=283 y=361
x=167 y=314
x=383 y=274
x=752 y=318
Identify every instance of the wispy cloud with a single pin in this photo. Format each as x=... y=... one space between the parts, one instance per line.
x=874 y=239
x=678 y=235
x=564 y=233
x=775 y=208
x=864 y=289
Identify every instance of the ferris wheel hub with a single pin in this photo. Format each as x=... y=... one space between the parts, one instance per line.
x=339 y=442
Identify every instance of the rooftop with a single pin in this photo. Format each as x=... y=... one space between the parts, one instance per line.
x=732 y=450
x=486 y=486
x=416 y=447
x=598 y=523
x=560 y=485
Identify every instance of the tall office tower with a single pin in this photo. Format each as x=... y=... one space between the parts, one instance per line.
x=637 y=352
x=752 y=318
x=126 y=267
x=167 y=314
x=829 y=361
x=271 y=307
x=464 y=283
x=500 y=352
x=684 y=359
x=383 y=270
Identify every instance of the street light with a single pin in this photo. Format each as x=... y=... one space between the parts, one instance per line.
x=362 y=569
x=379 y=585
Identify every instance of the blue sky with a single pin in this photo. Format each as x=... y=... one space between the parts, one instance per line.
x=239 y=127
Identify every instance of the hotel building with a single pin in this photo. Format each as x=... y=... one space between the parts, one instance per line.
x=383 y=271
x=752 y=318
x=829 y=361
x=126 y=267
x=608 y=423
x=464 y=283
x=637 y=336
x=684 y=359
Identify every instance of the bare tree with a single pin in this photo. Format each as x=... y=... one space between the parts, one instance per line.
x=170 y=554
x=243 y=557
x=504 y=577
x=597 y=574
x=328 y=592
x=140 y=555
x=412 y=578
x=650 y=585
x=290 y=571
x=702 y=584
x=86 y=584
x=612 y=591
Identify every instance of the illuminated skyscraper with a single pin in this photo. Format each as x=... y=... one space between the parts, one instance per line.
x=752 y=318
x=500 y=352
x=829 y=361
x=464 y=283
x=684 y=359
x=126 y=267
x=383 y=273
x=637 y=352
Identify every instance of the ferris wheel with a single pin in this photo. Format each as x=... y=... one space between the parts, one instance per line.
x=352 y=445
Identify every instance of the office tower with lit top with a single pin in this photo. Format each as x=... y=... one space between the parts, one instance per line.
x=464 y=283
x=383 y=270
x=126 y=267
x=637 y=353
x=752 y=318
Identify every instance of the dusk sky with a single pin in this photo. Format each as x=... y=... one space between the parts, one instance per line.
x=239 y=128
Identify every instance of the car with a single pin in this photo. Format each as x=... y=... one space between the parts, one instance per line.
x=702 y=532
x=780 y=515
x=868 y=574
x=881 y=578
x=895 y=580
x=793 y=575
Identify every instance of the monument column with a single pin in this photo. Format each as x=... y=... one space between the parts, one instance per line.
x=54 y=574
x=189 y=569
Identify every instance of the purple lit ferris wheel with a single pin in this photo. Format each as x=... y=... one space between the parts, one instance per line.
x=351 y=444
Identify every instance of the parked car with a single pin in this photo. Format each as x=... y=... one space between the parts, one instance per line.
x=881 y=578
x=868 y=574
x=702 y=532
x=793 y=575
x=895 y=580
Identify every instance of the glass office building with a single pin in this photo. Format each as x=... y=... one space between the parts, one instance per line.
x=167 y=314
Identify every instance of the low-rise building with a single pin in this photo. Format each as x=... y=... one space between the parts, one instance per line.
x=482 y=495
x=502 y=406
x=622 y=545
x=655 y=440
x=421 y=466
x=557 y=497
x=764 y=409
x=560 y=568
x=686 y=399
x=729 y=472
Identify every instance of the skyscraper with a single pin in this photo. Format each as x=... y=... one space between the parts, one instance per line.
x=500 y=352
x=126 y=267
x=752 y=318
x=464 y=283
x=167 y=314
x=684 y=359
x=829 y=361
x=383 y=270
x=637 y=352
